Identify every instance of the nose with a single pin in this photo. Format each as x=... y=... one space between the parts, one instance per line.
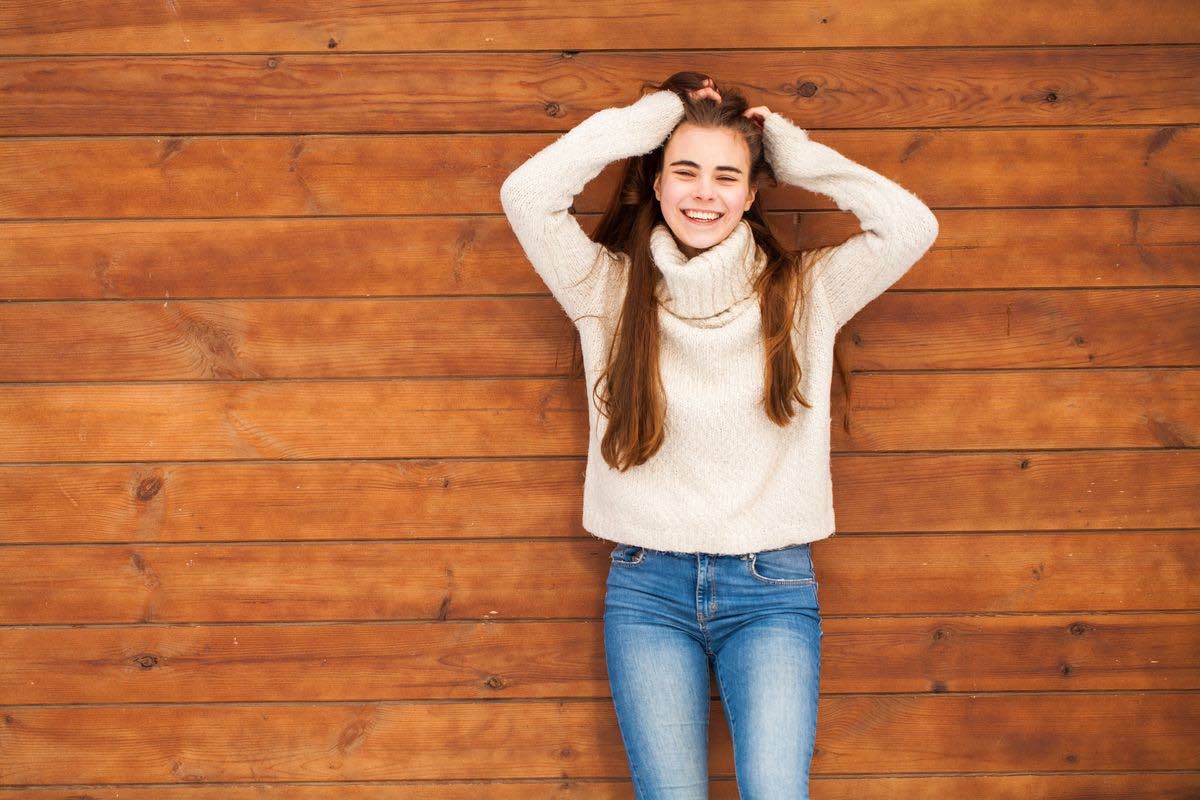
x=704 y=188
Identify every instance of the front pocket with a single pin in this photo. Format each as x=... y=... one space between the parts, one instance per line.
x=790 y=565
x=628 y=555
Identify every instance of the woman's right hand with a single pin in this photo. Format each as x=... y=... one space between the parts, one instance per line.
x=705 y=91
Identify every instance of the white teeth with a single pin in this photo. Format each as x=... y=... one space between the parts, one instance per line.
x=703 y=215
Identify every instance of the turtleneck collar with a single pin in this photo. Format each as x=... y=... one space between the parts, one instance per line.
x=710 y=282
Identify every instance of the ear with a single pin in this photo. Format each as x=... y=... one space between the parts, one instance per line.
x=658 y=185
x=750 y=198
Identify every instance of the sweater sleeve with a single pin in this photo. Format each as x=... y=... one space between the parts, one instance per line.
x=537 y=196
x=897 y=227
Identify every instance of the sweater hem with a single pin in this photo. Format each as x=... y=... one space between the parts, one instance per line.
x=678 y=541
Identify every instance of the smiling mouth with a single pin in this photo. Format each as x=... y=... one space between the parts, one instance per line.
x=702 y=222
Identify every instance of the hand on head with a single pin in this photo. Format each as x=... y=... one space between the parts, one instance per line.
x=705 y=91
x=758 y=114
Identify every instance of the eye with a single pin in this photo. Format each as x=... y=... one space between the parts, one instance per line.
x=725 y=178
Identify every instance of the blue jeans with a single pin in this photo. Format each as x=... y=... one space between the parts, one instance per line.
x=755 y=619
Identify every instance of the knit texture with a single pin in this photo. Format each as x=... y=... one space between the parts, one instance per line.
x=710 y=283
x=727 y=479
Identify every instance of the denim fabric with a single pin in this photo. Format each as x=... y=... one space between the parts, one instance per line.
x=752 y=619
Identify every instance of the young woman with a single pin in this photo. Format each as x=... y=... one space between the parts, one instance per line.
x=698 y=330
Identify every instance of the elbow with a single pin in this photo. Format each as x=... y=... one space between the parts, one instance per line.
x=926 y=228
x=517 y=197
x=509 y=190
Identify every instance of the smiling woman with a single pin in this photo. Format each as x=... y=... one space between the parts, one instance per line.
x=709 y=328
x=690 y=148
x=699 y=333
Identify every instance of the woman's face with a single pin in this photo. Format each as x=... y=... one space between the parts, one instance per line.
x=704 y=169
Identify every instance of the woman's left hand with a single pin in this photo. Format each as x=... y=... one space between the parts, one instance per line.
x=758 y=114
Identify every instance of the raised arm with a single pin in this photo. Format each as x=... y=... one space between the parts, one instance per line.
x=537 y=195
x=897 y=227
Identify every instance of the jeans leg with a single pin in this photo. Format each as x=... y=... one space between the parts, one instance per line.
x=660 y=683
x=768 y=672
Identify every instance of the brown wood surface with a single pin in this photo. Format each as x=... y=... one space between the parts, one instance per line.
x=231 y=26
x=510 y=417
x=427 y=499
x=1044 y=786
x=202 y=340
x=169 y=259
x=489 y=579
x=496 y=658
x=323 y=174
x=424 y=740
x=387 y=93
x=512 y=498
x=291 y=463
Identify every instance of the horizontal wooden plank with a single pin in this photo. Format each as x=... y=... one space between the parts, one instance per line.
x=400 y=500
x=293 y=419
x=854 y=88
x=127 y=26
x=319 y=500
x=1038 y=247
x=565 y=658
x=245 y=339
x=1062 y=786
x=1021 y=329
x=513 y=418
x=991 y=410
x=429 y=256
x=303 y=175
x=124 y=340
x=902 y=734
x=499 y=579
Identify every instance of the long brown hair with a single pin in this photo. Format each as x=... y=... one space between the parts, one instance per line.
x=630 y=387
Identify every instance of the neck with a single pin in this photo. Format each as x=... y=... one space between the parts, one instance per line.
x=697 y=284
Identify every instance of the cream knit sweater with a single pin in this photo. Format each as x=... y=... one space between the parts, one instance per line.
x=727 y=479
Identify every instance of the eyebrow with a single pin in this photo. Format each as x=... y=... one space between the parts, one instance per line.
x=686 y=163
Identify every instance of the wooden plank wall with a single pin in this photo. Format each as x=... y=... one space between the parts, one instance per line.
x=291 y=467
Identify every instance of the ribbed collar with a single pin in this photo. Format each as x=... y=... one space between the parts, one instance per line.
x=710 y=282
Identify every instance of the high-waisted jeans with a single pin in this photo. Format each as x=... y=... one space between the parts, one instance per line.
x=755 y=620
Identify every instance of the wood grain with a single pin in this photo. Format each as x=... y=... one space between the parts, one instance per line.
x=273 y=176
x=491 y=579
x=424 y=256
x=422 y=740
x=231 y=26
x=499 y=658
x=370 y=93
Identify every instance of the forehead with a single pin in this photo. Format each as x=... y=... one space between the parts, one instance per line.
x=708 y=147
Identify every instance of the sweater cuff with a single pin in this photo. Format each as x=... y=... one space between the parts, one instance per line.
x=665 y=99
x=778 y=128
x=665 y=108
x=787 y=148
